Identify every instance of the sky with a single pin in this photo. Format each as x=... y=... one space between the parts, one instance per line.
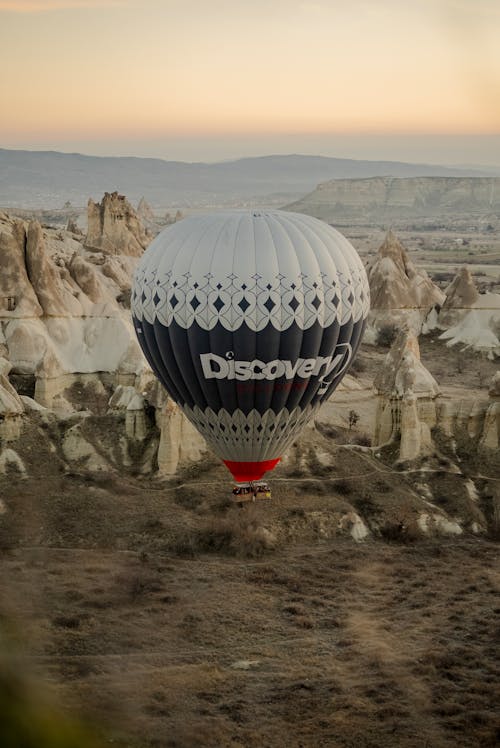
x=208 y=80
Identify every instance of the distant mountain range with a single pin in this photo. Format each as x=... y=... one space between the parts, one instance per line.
x=47 y=179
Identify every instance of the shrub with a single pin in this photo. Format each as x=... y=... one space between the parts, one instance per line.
x=343 y=487
x=362 y=440
x=232 y=535
x=386 y=336
x=353 y=418
x=399 y=532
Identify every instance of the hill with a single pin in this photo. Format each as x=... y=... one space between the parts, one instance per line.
x=378 y=199
x=34 y=179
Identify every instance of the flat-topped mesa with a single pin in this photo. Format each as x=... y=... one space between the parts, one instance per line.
x=114 y=227
x=396 y=284
x=375 y=199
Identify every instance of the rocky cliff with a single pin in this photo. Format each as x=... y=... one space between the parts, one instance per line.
x=411 y=405
x=67 y=344
x=114 y=227
x=407 y=395
x=467 y=318
x=384 y=198
x=400 y=294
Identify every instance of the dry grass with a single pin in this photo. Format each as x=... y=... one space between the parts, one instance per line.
x=172 y=618
x=350 y=645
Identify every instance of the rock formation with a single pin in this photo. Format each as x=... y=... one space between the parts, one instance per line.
x=144 y=211
x=400 y=294
x=467 y=317
x=407 y=395
x=55 y=297
x=66 y=335
x=490 y=438
x=179 y=441
x=462 y=292
x=11 y=406
x=410 y=405
x=395 y=283
x=114 y=227
x=64 y=312
x=17 y=296
x=73 y=227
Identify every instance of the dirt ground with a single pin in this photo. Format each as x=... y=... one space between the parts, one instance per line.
x=166 y=616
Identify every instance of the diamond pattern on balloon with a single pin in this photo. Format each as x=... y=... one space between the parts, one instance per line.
x=323 y=297
x=244 y=304
x=218 y=303
x=256 y=436
x=269 y=304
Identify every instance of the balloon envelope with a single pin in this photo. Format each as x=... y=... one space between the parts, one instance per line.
x=250 y=319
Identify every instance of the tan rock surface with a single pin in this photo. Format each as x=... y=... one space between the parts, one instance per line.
x=403 y=372
x=462 y=292
x=52 y=293
x=490 y=438
x=407 y=395
x=65 y=309
x=144 y=210
x=468 y=318
x=179 y=442
x=396 y=284
x=17 y=297
x=114 y=227
x=375 y=199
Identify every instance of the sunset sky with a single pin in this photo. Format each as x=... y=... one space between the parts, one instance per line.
x=214 y=79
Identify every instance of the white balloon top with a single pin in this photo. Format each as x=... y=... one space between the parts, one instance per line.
x=253 y=267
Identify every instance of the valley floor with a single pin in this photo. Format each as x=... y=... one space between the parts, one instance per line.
x=168 y=622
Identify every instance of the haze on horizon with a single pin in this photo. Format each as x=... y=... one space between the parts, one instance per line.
x=192 y=80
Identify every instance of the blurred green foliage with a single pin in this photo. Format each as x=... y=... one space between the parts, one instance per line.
x=28 y=719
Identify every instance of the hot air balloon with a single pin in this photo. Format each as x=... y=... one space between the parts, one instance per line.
x=250 y=319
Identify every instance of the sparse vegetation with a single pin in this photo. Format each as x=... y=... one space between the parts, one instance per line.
x=386 y=336
x=234 y=535
x=116 y=577
x=362 y=440
x=353 y=418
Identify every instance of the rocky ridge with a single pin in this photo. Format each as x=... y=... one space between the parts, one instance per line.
x=466 y=317
x=68 y=345
x=377 y=199
x=411 y=404
x=401 y=295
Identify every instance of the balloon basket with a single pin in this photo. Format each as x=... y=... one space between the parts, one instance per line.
x=251 y=492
